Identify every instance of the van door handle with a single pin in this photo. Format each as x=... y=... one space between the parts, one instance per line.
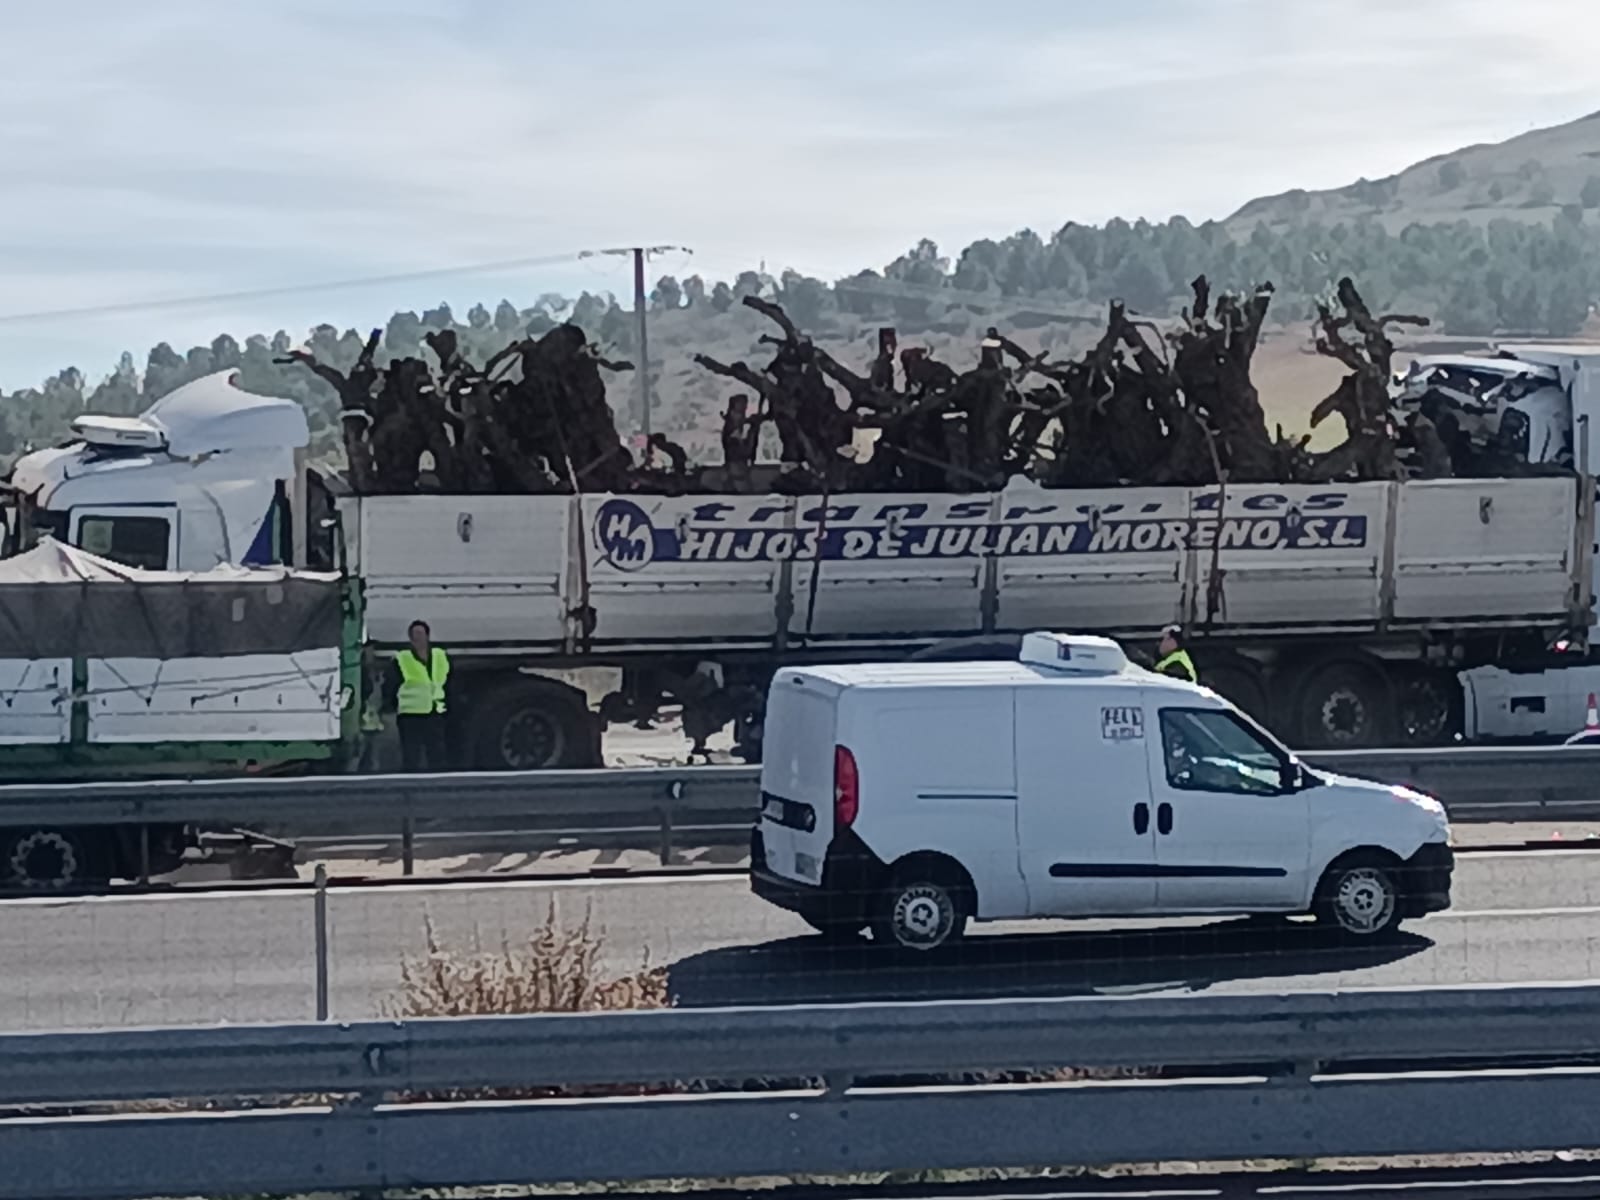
x=1141 y=818
x=1164 y=818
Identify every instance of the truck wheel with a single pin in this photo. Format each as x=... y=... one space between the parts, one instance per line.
x=1427 y=707
x=747 y=731
x=1343 y=706
x=52 y=860
x=924 y=907
x=532 y=726
x=1237 y=682
x=1359 y=896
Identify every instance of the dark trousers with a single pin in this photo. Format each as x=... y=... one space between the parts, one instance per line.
x=422 y=743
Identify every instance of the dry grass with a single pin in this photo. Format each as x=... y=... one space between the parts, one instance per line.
x=559 y=969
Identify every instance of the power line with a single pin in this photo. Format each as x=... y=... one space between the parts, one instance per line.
x=136 y=306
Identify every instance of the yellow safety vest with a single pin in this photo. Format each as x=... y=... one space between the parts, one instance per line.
x=1179 y=658
x=422 y=688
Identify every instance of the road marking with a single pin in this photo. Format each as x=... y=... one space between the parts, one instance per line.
x=1577 y=910
x=441 y=886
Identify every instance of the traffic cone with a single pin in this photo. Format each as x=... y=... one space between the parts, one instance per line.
x=1591 y=719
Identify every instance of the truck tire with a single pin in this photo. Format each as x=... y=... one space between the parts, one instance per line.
x=53 y=860
x=1428 y=706
x=1238 y=681
x=1344 y=705
x=533 y=725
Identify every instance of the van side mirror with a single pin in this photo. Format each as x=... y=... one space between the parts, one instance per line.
x=1292 y=777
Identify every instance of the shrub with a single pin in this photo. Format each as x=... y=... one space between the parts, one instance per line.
x=557 y=970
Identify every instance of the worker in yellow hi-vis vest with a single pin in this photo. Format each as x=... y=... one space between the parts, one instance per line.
x=418 y=683
x=1174 y=660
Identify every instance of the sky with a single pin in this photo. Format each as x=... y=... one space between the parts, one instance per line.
x=185 y=149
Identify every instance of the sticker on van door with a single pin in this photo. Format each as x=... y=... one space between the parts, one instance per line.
x=1122 y=724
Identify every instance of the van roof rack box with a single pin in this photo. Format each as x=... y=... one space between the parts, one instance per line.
x=1076 y=652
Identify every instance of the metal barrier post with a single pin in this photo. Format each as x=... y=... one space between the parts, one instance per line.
x=320 y=927
x=674 y=794
x=408 y=846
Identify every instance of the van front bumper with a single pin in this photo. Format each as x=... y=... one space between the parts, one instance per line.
x=1427 y=875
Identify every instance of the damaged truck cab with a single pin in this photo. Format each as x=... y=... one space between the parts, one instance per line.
x=149 y=627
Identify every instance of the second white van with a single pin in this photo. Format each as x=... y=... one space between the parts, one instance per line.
x=910 y=799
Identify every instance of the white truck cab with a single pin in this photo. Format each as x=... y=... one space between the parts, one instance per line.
x=193 y=482
x=909 y=798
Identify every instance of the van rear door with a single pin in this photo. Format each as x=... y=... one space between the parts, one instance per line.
x=797 y=776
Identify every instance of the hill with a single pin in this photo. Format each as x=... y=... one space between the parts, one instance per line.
x=1528 y=178
x=1489 y=240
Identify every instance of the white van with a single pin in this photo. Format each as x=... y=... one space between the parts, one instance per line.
x=908 y=798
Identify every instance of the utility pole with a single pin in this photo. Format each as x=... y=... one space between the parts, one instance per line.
x=641 y=309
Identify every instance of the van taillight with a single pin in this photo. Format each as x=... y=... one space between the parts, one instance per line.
x=846 y=788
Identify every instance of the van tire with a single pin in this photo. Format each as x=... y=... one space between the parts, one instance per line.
x=1360 y=897
x=924 y=907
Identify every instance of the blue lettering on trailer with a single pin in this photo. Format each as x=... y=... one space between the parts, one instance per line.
x=629 y=540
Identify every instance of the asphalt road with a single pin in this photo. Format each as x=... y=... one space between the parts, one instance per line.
x=1519 y=917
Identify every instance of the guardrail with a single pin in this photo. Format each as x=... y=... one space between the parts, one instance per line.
x=668 y=804
x=783 y=1091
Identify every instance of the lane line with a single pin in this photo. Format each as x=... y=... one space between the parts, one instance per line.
x=1576 y=910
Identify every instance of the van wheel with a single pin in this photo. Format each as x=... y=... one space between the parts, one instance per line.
x=925 y=907
x=1359 y=896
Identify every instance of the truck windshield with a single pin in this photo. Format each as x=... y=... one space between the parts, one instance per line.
x=26 y=525
x=48 y=524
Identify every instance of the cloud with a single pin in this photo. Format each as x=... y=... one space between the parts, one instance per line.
x=170 y=151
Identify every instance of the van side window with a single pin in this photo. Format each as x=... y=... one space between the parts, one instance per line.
x=1211 y=751
x=131 y=541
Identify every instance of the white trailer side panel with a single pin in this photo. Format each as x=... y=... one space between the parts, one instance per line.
x=892 y=565
x=1291 y=554
x=481 y=570
x=35 y=696
x=246 y=697
x=1484 y=549
x=688 y=569
x=1092 y=559
x=705 y=571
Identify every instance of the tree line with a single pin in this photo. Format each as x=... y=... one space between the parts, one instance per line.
x=1474 y=279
